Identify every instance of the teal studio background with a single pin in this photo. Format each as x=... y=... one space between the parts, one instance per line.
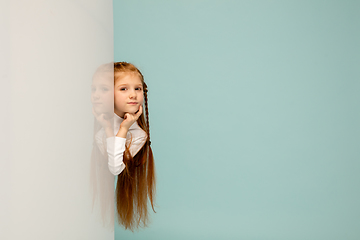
x=254 y=116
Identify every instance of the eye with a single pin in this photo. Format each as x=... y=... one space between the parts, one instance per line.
x=93 y=89
x=138 y=88
x=123 y=89
x=105 y=89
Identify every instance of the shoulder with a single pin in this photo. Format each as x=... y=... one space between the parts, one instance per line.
x=136 y=133
x=136 y=138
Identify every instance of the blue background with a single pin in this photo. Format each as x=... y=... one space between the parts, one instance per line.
x=254 y=116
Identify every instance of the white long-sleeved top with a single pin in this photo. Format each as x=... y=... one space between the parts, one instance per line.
x=135 y=138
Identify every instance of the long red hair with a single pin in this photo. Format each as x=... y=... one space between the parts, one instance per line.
x=136 y=183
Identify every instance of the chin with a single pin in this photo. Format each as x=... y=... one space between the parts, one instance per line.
x=133 y=111
x=99 y=110
x=102 y=109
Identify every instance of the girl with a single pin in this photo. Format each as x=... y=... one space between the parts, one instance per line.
x=128 y=146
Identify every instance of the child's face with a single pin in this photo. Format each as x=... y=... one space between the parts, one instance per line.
x=128 y=93
x=102 y=93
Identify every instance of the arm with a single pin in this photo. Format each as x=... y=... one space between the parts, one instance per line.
x=116 y=144
x=115 y=150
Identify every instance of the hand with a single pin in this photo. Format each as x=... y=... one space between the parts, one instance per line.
x=103 y=119
x=130 y=118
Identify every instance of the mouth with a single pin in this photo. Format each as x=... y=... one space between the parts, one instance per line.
x=132 y=103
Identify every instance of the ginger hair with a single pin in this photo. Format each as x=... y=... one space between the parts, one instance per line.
x=136 y=183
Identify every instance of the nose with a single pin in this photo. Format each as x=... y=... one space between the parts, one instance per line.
x=95 y=95
x=132 y=94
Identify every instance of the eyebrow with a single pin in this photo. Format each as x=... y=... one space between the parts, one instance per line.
x=100 y=85
x=126 y=84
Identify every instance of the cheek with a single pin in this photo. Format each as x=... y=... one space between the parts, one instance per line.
x=109 y=96
x=117 y=105
x=141 y=99
x=119 y=100
x=117 y=97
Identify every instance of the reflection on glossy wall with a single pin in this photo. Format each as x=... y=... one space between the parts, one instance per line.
x=101 y=179
x=254 y=116
x=50 y=51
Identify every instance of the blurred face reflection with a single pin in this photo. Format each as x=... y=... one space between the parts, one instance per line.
x=102 y=93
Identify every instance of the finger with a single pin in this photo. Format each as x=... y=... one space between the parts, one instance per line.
x=137 y=115
x=126 y=115
x=93 y=111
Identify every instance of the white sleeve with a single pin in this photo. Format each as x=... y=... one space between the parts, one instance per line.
x=100 y=139
x=115 y=150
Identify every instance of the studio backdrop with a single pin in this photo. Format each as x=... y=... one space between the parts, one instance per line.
x=50 y=51
x=254 y=116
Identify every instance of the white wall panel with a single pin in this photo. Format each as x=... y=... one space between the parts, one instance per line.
x=49 y=52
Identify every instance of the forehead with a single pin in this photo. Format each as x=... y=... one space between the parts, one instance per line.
x=105 y=78
x=127 y=78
